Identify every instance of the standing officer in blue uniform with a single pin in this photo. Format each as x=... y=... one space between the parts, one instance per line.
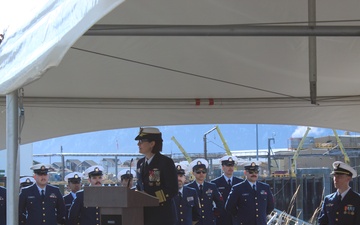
x=156 y=176
x=207 y=192
x=2 y=206
x=343 y=206
x=250 y=201
x=79 y=214
x=74 y=184
x=41 y=203
x=26 y=181
x=187 y=201
x=126 y=177
x=224 y=184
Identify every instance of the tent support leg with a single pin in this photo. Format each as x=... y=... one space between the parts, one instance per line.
x=312 y=52
x=12 y=168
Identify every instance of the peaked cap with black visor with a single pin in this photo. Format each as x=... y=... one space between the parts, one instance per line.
x=149 y=133
x=252 y=167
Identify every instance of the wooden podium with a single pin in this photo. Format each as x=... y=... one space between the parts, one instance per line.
x=119 y=205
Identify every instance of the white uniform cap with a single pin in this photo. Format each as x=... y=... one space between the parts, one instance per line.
x=27 y=180
x=126 y=171
x=182 y=165
x=94 y=171
x=73 y=175
x=229 y=158
x=40 y=168
x=343 y=168
x=199 y=163
x=150 y=133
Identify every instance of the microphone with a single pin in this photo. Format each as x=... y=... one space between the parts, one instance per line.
x=130 y=173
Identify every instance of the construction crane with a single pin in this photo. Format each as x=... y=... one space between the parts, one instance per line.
x=227 y=149
x=346 y=157
x=296 y=155
x=187 y=157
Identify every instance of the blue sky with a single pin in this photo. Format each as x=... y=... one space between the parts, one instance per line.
x=237 y=136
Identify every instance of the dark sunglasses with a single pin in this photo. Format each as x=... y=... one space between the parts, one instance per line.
x=229 y=165
x=253 y=172
x=200 y=171
x=75 y=182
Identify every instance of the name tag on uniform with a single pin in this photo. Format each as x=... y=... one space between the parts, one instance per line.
x=191 y=198
x=245 y=194
x=221 y=188
x=31 y=196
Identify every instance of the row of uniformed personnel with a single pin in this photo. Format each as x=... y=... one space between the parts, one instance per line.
x=237 y=201
x=246 y=202
x=41 y=203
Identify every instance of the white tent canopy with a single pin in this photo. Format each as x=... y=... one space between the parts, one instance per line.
x=111 y=81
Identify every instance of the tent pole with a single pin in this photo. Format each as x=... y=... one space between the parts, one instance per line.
x=12 y=168
x=312 y=53
x=221 y=30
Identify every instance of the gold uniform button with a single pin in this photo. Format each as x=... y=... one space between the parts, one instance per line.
x=337 y=219
x=257 y=209
x=97 y=218
x=182 y=220
x=181 y=213
x=256 y=204
x=255 y=197
x=180 y=206
x=43 y=214
x=43 y=221
x=203 y=217
x=337 y=213
x=97 y=213
x=202 y=211
x=43 y=208
x=257 y=215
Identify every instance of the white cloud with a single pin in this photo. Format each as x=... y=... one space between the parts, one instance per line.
x=315 y=131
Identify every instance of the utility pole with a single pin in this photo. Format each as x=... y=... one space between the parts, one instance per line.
x=269 y=155
x=205 y=142
x=63 y=163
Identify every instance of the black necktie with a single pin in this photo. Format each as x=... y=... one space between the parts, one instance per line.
x=254 y=187
x=146 y=167
x=201 y=189
x=338 y=196
x=180 y=195
x=229 y=182
x=42 y=194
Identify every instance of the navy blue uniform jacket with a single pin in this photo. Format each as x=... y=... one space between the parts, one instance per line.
x=187 y=207
x=209 y=195
x=2 y=206
x=68 y=201
x=345 y=212
x=250 y=207
x=83 y=215
x=32 y=210
x=224 y=189
x=158 y=179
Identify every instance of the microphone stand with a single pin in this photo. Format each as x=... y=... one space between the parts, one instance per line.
x=128 y=184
